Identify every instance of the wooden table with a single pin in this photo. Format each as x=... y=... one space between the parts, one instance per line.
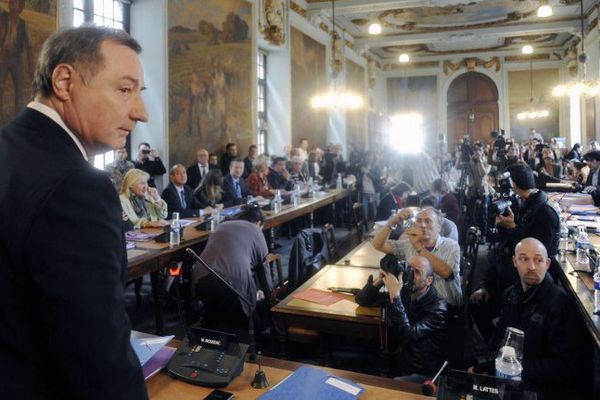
x=163 y=387
x=363 y=255
x=153 y=258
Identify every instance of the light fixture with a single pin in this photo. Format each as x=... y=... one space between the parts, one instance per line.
x=334 y=98
x=544 y=11
x=374 y=29
x=583 y=86
x=404 y=58
x=532 y=113
x=527 y=49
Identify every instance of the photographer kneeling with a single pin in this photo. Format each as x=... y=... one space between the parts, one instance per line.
x=418 y=315
x=539 y=219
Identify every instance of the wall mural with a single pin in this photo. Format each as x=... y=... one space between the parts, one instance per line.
x=24 y=26
x=308 y=78
x=210 y=76
x=415 y=94
x=356 y=133
x=518 y=97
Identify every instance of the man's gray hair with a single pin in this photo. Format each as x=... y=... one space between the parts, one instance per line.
x=438 y=214
x=78 y=47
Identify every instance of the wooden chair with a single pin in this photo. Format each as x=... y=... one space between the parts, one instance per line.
x=278 y=291
x=331 y=242
x=358 y=224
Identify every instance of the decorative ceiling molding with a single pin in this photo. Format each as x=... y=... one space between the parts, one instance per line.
x=521 y=58
x=471 y=63
x=297 y=9
x=413 y=65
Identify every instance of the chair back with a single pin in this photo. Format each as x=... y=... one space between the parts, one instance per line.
x=331 y=242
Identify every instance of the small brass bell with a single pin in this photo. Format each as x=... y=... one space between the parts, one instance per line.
x=260 y=380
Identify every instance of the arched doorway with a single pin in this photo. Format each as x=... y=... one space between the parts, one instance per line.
x=472 y=108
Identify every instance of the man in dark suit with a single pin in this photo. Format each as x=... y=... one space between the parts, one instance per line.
x=65 y=332
x=197 y=172
x=593 y=161
x=234 y=187
x=231 y=153
x=279 y=176
x=149 y=161
x=179 y=197
x=249 y=160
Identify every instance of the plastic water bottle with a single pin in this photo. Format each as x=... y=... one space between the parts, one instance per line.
x=338 y=182
x=583 y=243
x=507 y=364
x=277 y=201
x=563 y=243
x=597 y=291
x=175 y=231
x=296 y=195
x=510 y=355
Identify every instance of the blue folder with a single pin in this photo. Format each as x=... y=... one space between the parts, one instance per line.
x=313 y=383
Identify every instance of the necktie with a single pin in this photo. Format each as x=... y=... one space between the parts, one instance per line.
x=238 y=190
x=182 y=196
x=202 y=171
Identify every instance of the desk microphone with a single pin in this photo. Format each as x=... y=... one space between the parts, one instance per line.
x=429 y=388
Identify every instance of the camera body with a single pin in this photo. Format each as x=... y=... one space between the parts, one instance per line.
x=500 y=207
x=390 y=264
x=146 y=152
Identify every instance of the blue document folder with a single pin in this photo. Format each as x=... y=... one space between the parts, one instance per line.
x=313 y=383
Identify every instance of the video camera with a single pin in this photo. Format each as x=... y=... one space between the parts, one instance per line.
x=499 y=143
x=501 y=204
x=466 y=149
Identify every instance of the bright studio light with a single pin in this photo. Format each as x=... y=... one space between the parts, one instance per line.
x=544 y=11
x=404 y=58
x=406 y=132
x=374 y=29
x=527 y=49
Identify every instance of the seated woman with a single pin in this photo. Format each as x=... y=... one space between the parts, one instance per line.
x=257 y=181
x=548 y=165
x=210 y=191
x=141 y=203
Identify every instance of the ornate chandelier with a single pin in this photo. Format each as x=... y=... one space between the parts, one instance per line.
x=583 y=86
x=532 y=113
x=334 y=97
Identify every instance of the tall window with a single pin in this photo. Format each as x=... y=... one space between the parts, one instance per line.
x=262 y=101
x=111 y=13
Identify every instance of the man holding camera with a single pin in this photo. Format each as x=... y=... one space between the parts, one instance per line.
x=418 y=316
x=149 y=162
x=423 y=239
x=539 y=219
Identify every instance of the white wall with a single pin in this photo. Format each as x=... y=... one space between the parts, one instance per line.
x=149 y=27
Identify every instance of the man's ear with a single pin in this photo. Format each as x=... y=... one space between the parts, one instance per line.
x=514 y=260
x=62 y=81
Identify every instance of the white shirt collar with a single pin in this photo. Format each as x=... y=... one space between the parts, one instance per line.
x=53 y=115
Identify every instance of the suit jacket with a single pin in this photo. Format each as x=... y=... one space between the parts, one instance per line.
x=229 y=195
x=153 y=168
x=171 y=196
x=277 y=181
x=64 y=331
x=193 y=175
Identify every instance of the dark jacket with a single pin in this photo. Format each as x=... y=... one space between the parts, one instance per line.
x=386 y=205
x=152 y=167
x=171 y=196
x=64 y=332
x=278 y=181
x=225 y=162
x=538 y=219
x=310 y=251
x=194 y=176
x=554 y=349
x=417 y=327
x=229 y=194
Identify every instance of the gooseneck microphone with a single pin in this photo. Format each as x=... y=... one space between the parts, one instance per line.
x=429 y=388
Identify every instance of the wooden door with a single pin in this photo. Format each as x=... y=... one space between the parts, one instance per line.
x=472 y=108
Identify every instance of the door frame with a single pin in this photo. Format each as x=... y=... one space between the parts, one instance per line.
x=443 y=103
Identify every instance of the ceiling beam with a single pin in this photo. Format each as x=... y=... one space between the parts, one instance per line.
x=466 y=54
x=568 y=25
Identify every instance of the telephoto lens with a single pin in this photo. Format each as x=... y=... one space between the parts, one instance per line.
x=500 y=207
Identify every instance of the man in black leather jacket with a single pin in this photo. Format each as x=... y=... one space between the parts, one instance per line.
x=418 y=317
x=538 y=218
x=556 y=352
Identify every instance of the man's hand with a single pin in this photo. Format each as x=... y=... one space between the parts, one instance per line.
x=393 y=284
x=479 y=296
x=507 y=221
x=153 y=153
x=415 y=236
x=589 y=189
